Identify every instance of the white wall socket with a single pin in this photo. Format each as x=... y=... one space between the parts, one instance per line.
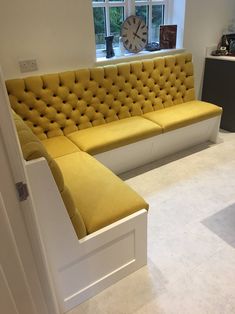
x=28 y=65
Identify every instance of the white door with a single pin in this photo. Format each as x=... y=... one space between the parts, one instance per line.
x=15 y=297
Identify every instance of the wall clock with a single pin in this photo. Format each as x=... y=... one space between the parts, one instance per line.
x=134 y=33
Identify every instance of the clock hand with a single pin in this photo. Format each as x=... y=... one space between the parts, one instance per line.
x=135 y=34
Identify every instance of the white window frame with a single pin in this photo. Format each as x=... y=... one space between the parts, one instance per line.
x=150 y=4
x=129 y=9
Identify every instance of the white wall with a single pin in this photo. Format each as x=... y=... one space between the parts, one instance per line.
x=58 y=33
x=204 y=22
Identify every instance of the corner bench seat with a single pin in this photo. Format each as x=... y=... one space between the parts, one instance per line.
x=102 y=197
x=125 y=116
x=94 y=197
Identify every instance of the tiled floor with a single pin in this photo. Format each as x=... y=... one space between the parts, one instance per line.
x=191 y=237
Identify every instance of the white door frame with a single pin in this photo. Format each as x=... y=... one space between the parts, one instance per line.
x=22 y=224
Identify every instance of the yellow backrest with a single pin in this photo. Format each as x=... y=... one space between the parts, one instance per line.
x=62 y=103
x=32 y=148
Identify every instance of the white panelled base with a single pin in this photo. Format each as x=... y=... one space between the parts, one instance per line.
x=82 y=268
x=140 y=153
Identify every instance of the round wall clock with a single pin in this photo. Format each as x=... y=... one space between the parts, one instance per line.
x=134 y=33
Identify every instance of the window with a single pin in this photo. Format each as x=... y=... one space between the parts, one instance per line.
x=109 y=15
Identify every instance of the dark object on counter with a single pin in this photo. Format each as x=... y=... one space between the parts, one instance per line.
x=152 y=46
x=168 y=35
x=226 y=46
x=109 y=47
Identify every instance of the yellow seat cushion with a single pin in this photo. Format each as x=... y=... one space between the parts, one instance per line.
x=112 y=135
x=184 y=114
x=59 y=146
x=101 y=197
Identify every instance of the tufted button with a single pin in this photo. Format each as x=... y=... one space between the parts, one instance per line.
x=24 y=119
x=58 y=112
x=52 y=121
x=48 y=105
x=85 y=89
x=67 y=118
x=41 y=115
x=30 y=108
x=19 y=101
x=82 y=114
x=35 y=125
x=37 y=98
x=110 y=107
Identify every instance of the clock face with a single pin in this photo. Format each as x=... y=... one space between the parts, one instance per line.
x=134 y=34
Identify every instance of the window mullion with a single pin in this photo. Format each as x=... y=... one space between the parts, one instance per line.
x=150 y=21
x=131 y=7
x=107 y=15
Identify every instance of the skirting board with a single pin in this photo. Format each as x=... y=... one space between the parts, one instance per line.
x=145 y=151
x=81 y=268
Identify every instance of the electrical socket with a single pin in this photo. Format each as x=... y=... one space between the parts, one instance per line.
x=28 y=65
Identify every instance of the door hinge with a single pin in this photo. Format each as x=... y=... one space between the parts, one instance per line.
x=22 y=190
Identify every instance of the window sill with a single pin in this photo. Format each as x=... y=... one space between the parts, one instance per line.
x=135 y=56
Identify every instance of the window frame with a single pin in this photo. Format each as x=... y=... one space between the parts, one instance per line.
x=150 y=4
x=130 y=9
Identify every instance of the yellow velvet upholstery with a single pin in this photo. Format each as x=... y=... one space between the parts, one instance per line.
x=115 y=134
x=59 y=104
x=102 y=197
x=183 y=114
x=96 y=110
x=59 y=146
x=32 y=148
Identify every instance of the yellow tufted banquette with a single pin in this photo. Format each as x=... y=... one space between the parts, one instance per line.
x=59 y=104
x=96 y=110
x=125 y=103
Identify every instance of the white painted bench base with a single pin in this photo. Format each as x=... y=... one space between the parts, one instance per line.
x=81 y=268
x=134 y=155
